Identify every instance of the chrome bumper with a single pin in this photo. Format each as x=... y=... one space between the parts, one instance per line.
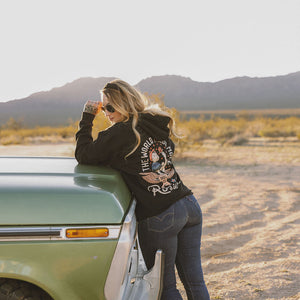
x=149 y=285
x=128 y=278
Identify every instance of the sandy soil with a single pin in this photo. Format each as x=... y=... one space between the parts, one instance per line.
x=250 y=198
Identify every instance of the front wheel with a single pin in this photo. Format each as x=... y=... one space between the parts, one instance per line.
x=11 y=289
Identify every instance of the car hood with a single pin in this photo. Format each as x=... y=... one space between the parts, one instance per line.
x=52 y=191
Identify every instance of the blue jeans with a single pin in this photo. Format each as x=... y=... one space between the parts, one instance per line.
x=177 y=231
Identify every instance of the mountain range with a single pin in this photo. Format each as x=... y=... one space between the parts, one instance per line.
x=62 y=104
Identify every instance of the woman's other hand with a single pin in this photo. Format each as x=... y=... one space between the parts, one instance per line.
x=92 y=107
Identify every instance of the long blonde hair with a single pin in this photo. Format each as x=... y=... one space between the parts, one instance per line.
x=129 y=102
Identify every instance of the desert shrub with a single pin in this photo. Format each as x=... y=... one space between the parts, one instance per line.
x=244 y=115
x=196 y=130
x=254 y=127
x=223 y=132
x=274 y=132
x=280 y=127
x=235 y=131
x=13 y=124
x=237 y=140
x=43 y=134
x=215 y=128
x=12 y=140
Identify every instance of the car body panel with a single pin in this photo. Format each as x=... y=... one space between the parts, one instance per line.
x=64 y=269
x=59 y=191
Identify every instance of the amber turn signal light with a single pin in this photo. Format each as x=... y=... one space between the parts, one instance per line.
x=87 y=233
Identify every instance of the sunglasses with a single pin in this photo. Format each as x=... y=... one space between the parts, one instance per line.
x=108 y=108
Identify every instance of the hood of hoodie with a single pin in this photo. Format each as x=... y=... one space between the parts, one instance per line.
x=154 y=125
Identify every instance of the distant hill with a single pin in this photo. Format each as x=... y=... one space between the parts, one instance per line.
x=59 y=105
x=54 y=107
x=236 y=93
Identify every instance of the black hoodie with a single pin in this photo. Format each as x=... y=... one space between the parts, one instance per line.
x=148 y=172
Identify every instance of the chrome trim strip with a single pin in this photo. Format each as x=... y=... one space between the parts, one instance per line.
x=51 y=233
x=121 y=262
x=40 y=231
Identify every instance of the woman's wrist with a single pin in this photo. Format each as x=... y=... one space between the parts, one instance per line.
x=92 y=107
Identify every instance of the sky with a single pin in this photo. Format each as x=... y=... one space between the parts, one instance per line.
x=46 y=44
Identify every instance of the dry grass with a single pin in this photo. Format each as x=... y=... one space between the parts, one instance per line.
x=36 y=135
x=241 y=129
x=226 y=131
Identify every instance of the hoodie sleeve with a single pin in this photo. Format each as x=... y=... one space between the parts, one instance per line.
x=108 y=143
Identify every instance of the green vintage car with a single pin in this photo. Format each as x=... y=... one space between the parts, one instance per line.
x=68 y=232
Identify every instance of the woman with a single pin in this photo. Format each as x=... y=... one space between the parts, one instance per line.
x=138 y=144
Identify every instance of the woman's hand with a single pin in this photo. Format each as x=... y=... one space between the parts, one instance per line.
x=92 y=107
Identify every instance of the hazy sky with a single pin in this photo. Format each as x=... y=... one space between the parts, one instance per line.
x=45 y=44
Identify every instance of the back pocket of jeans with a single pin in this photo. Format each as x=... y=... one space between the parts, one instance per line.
x=162 y=222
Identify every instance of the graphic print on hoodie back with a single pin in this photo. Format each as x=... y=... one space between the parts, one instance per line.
x=157 y=167
x=148 y=172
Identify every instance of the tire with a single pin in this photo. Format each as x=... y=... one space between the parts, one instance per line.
x=11 y=289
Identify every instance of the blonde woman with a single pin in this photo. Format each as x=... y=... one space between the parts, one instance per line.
x=138 y=144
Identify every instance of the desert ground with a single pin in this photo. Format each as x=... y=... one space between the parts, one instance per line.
x=250 y=199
